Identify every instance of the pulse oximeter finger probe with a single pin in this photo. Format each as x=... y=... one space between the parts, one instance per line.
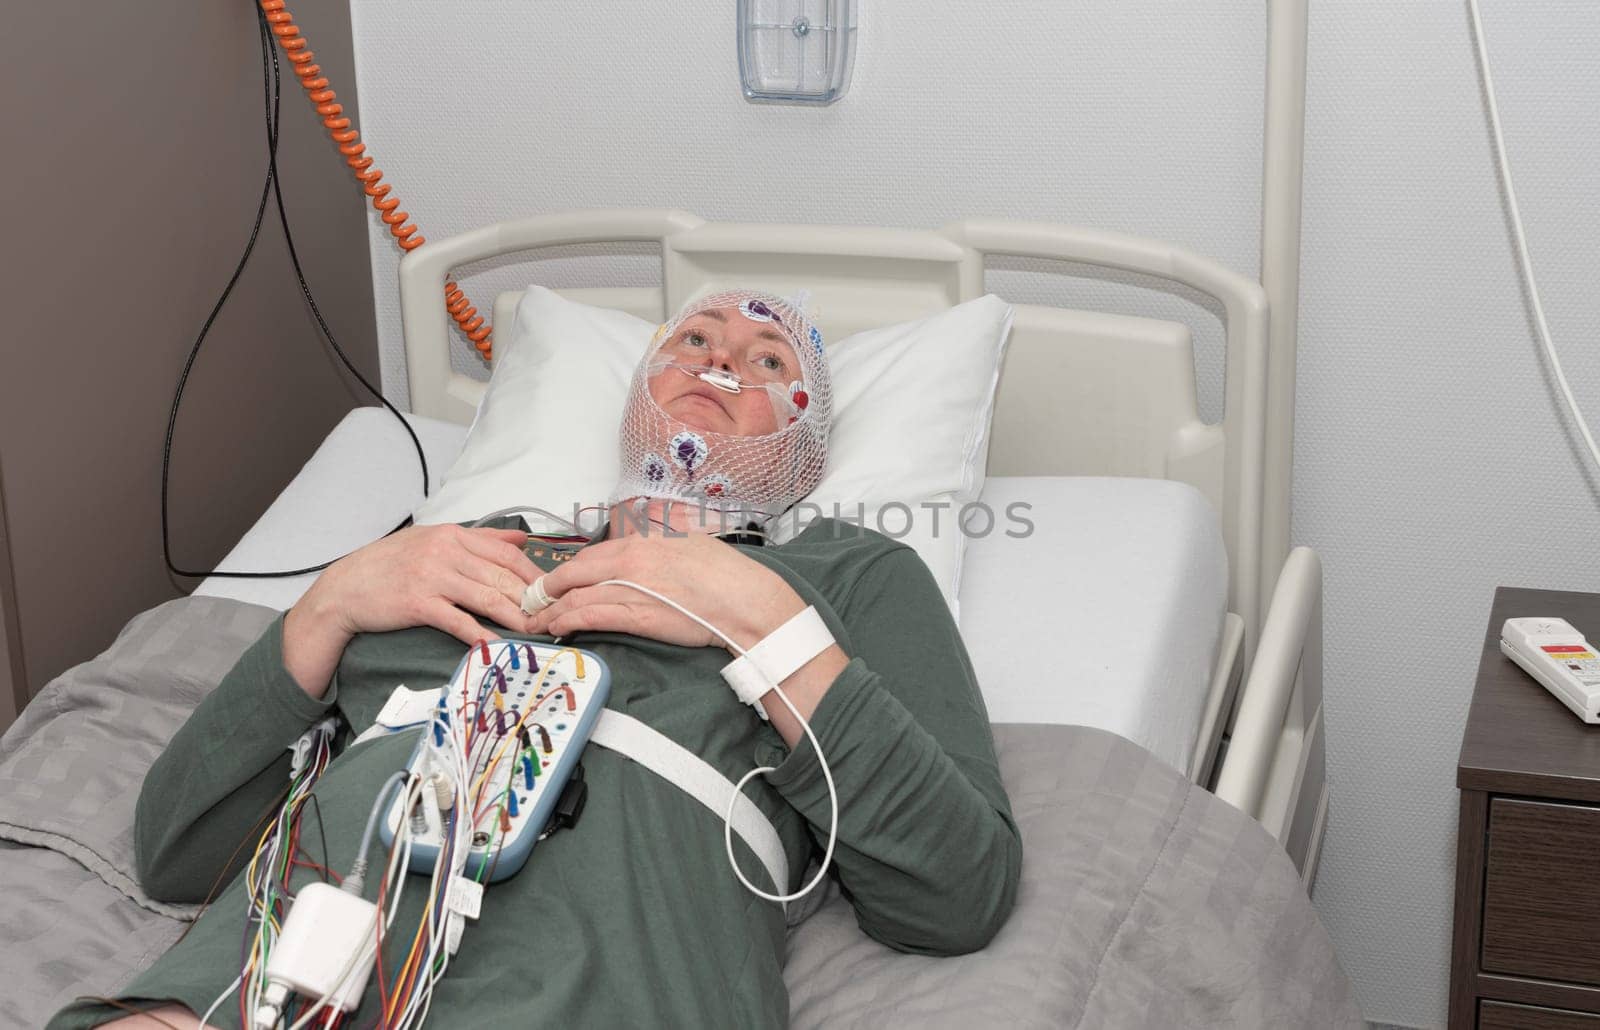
x=534 y=599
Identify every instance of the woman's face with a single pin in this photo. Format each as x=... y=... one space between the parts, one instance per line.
x=724 y=339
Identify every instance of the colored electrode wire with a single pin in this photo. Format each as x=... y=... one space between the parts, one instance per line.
x=411 y=988
x=269 y=188
x=426 y=951
x=267 y=875
x=348 y=139
x=507 y=735
x=407 y=1003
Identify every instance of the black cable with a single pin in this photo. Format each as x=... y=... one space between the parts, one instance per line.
x=271 y=77
x=327 y=857
x=294 y=259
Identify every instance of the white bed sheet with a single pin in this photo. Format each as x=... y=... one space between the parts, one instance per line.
x=1109 y=613
x=361 y=483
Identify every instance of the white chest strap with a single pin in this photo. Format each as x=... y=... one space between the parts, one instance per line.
x=650 y=748
x=696 y=777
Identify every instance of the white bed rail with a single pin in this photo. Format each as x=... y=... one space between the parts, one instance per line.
x=1245 y=326
x=437 y=390
x=1275 y=751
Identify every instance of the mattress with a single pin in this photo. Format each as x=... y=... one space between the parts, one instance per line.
x=1108 y=612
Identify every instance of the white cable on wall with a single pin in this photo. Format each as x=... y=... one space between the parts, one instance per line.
x=1482 y=49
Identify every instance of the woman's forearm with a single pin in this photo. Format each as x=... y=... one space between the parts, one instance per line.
x=764 y=612
x=930 y=861
x=927 y=850
x=441 y=576
x=805 y=690
x=312 y=645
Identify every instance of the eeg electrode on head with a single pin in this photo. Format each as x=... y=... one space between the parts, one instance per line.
x=758 y=476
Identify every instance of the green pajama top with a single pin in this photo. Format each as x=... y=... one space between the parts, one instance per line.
x=632 y=917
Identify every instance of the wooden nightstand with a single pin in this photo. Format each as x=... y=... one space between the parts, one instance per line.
x=1527 y=915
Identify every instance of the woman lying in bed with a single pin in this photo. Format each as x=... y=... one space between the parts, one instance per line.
x=631 y=918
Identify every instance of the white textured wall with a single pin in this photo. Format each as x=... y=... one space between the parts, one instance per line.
x=1430 y=463
x=1009 y=109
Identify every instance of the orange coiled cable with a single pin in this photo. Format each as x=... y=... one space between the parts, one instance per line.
x=323 y=98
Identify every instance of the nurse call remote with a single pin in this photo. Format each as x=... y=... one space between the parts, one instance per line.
x=1557 y=655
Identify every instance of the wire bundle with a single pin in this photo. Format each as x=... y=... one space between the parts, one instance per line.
x=267 y=876
x=277 y=855
x=476 y=746
x=491 y=731
x=404 y=1000
x=467 y=747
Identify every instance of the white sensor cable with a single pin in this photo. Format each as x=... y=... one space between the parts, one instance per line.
x=205 y=1020
x=1482 y=49
x=738 y=789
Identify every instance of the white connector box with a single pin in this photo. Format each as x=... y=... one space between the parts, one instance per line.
x=327 y=947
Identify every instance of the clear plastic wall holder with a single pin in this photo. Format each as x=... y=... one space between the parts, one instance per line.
x=796 y=51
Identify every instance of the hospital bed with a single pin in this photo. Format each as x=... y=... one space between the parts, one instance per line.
x=1165 y=602
x=1113 y=395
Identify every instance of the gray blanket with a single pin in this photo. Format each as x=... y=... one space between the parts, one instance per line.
x=1145 y=901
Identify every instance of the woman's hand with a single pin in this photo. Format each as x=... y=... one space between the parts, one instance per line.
x=738 y=595
x=437 y=576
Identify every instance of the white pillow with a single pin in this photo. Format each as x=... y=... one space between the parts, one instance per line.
x=547 y=432
x=910 y=438
x=911 y=410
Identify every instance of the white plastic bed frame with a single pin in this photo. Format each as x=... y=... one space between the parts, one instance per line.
x=1112 y=395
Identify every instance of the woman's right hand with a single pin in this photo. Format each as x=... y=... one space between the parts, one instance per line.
x=439 y=576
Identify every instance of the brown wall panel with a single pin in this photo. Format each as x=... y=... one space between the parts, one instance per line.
x=134 y=158
x=13 y=683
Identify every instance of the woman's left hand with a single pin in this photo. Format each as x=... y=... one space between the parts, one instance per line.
x=738 y=595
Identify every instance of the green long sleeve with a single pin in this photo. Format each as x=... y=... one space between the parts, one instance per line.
x=223 y=770
x=928 y=853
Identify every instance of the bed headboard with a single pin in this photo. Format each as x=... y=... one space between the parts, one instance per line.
x=1112 y=394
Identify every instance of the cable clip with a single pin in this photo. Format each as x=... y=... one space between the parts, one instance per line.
x=463 y=901
x=306 y=745
x=465 y=897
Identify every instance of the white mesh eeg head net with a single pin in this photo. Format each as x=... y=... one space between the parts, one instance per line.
x=725 y=351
